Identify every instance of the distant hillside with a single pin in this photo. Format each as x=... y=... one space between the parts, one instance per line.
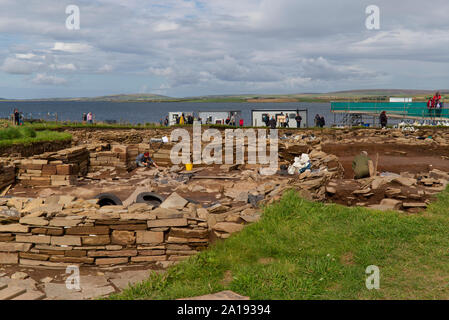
x=359 y=95
x=385 y=92
x=128 y=97
x=119 y=98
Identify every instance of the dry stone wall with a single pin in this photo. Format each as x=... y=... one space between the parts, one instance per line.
x=54 y=169
x=63 y=232
x=7 y=175
x=116 y=156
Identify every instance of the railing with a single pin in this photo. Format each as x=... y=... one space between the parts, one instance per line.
x=399 y=109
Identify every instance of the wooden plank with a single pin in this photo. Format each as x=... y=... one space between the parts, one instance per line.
x=11 y=292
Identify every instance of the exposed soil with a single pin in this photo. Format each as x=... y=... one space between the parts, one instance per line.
x=34 y=148
x=392 y=157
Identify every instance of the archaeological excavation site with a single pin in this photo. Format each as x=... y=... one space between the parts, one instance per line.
x=83 y=202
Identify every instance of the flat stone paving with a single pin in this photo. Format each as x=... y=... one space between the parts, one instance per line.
x=91 y=286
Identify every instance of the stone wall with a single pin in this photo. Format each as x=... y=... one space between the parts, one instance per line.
x=54 y=169
x=62 y=231
x=7 y=175
x=114 y=156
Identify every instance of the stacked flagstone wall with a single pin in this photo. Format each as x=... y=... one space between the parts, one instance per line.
x=56 y=232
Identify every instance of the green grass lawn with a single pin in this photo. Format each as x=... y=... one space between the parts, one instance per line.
x=306 y=250
x=27 y=135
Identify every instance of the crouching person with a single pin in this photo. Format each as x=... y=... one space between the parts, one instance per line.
x=144 y=160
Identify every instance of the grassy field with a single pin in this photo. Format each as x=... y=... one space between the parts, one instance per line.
x=27 y=135
x=306 y=250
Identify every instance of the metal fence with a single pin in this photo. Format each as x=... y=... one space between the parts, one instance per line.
x=411 y=110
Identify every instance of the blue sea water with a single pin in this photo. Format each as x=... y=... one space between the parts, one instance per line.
x=146 y=112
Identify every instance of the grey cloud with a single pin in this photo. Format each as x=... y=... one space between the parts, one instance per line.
x=271 y=45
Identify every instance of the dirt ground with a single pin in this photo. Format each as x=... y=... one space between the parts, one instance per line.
x=393 y=158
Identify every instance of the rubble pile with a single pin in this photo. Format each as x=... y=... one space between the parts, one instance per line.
x=313 y=171
x=404 y=192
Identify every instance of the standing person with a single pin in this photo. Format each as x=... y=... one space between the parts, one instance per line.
x=317 y=120
x=84 y=118
x=383 y=119
x=435 y=100
x=182 y=119
x=233 y=120
x=322 y=121
x=265 y=119
x=430 y=106
x=286 y=122
x=16 y=117
x=281 y=120
x=272 y=123
x=438 y=109
x=166 y=122
x=241 y=122
x=298 y=119
x=89 y=118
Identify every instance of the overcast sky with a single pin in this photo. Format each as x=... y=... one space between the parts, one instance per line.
x=188 y=48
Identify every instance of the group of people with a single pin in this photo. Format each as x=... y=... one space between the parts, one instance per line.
x=165 y=122
x=230 y=121
x=434 y=105
x=189 y=119
x=183 y=119
x=319 y=121
x=88 y=118
x=280 y=120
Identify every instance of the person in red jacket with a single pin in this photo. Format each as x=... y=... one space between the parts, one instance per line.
x=436 y=98
x=435 y=102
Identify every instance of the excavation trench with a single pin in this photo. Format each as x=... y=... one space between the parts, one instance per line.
x=393 y=158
